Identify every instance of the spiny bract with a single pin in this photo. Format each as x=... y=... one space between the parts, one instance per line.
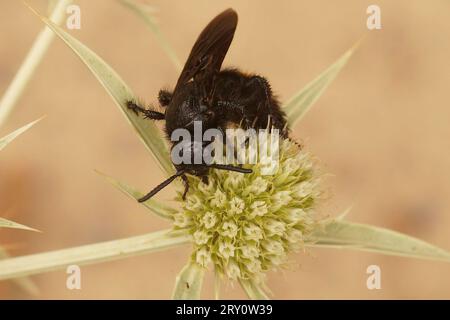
x=246 y=224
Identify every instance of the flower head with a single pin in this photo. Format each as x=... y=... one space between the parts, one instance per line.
x=247 y=224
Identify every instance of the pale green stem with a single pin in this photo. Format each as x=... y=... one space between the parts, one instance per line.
x=189 y=282
x=30 y=63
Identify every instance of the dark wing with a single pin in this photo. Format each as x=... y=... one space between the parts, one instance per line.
x=208 y=52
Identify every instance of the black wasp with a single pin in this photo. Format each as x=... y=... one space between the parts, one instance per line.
x=218 y=98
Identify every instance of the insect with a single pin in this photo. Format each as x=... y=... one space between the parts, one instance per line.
x=218 y=98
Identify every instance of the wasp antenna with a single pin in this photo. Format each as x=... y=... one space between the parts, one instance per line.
x=161 y=186
x=229 y=168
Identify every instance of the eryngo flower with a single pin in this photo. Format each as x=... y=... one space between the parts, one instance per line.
x=247 y=224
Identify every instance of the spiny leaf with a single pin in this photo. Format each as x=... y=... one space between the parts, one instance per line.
x=88 y=254
x=302 y=101
x=156 y=207
x=142 y=11
x=4 y=223
x=347 y=235
x=120 y=93
x=10 y=137
x=189 y=282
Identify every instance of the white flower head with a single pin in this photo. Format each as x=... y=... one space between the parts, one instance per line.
x=258 y=186
x=280 y=199
x=226 y=249
x=233 y=270
x=276 y=260
x=229 y=229
x=273 y=247
x=304 y=189
x=234 y=180
x=209 y=220
x=219 y=199
x=295 y=215
x=294 y=236
x=181 y=220
x=247 y=224
x=253 y=232
x=259 y=208
x=290 y=165
x=193 y=203
x=203 y=256
x=274 y=227
x=237 y=205
x=254 y=266
x=201 y=237
x=250 y=251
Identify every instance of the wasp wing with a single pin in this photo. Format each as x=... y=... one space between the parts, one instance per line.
x=208 y=52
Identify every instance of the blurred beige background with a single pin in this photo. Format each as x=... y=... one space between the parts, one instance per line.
x=381 y=129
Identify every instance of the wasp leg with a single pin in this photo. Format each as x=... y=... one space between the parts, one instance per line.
x=186 y=185
x=164 y=97
x=205 y=180
x=148 y=114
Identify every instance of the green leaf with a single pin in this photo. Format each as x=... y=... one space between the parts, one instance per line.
x=188 y=284
x=120 y=93
x=10 y=137
x=156 y=207
x=92 y=253
x=31 y=61
x=25 y=283
x=253 y=290
x=302 y=101
x=4 y=223
x=347 y=235
x=143 y=12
